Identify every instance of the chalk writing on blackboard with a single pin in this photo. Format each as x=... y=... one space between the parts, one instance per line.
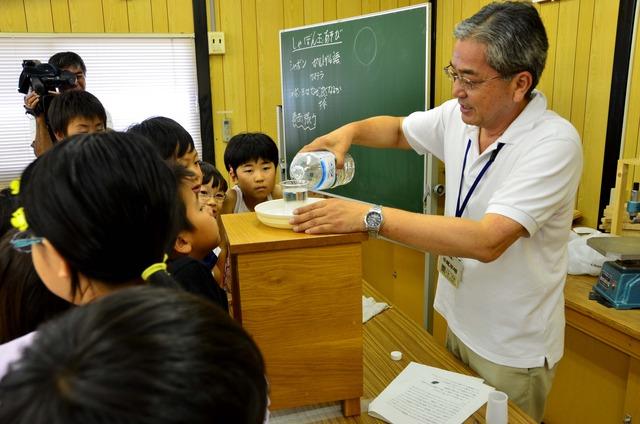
x=342 y=71
x=320 y=92
x=315 y=39
x=305 y=121
x=298 y=65
x=327 y=59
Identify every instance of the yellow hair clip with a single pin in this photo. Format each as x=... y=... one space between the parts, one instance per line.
x=153 y=268
x=18 y=220
x=15 y=187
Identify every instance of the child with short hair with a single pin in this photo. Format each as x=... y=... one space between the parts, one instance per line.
x=98 y=215
x=212 y=195
x=213 y=190
x=142 y=355
x=252 y=160
x=173 y=142
x=76 y=112
x=198 y=235
x=198 y=231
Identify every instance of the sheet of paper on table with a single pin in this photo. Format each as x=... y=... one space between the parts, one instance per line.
x=423 y=394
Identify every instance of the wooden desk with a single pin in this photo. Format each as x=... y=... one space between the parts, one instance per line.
x=598 y=379
x=393 y=330
x=299 y=296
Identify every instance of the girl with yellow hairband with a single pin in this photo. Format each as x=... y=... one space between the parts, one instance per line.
x=98 y=214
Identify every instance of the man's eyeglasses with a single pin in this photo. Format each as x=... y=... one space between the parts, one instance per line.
x=23 y=240
x=467 y=84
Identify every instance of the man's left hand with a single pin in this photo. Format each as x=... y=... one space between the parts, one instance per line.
x=330 y=216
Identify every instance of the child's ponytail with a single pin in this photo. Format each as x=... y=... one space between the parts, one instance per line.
x=156 y=275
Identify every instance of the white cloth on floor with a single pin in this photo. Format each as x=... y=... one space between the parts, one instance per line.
x=370 y=308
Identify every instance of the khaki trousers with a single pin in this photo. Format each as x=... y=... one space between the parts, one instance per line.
x=527 y=387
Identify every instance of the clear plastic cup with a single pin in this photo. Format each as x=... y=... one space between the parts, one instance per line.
x=294 y=194
x=497 y=408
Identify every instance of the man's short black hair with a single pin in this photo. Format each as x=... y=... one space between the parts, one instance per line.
x=71 y=104
x=62 y=60
x=246 y=147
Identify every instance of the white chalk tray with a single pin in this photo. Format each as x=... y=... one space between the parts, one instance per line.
x=272 y=212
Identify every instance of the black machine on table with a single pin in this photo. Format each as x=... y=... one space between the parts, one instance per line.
x=619 y=281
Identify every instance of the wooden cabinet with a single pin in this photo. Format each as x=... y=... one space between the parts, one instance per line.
x=598 y=379
x=300 y=297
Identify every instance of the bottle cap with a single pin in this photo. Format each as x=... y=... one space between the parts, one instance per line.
x=396 y=355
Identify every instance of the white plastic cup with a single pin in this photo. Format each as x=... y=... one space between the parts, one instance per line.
x=497 y=408
x=294 y=194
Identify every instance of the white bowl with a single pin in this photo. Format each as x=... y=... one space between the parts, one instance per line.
x=273 y=213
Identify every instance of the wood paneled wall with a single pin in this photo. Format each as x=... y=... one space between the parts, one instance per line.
x=631 y=147
x=95 y=16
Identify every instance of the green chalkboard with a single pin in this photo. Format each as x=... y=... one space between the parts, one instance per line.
x=343 y=71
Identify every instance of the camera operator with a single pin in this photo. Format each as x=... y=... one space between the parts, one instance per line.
x=66 y=61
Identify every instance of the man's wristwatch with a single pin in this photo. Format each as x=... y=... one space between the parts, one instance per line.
x=373 y=221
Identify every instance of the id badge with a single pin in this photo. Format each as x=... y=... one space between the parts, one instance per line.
x=451 y=268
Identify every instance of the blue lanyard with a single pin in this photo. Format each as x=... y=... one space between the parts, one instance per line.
x=460 y=210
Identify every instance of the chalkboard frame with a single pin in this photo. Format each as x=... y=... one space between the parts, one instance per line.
x=412 y=185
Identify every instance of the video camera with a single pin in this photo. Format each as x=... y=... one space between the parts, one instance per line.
x=43 y=78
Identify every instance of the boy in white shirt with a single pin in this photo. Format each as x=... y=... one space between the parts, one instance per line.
x=251 y=159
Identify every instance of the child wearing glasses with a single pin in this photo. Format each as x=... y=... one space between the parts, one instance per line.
x=212 y=195
x=213 y=189
x=87 y=243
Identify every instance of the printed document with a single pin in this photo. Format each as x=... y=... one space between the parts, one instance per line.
x=421 y=394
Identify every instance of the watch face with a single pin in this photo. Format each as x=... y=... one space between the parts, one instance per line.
x=373 y=220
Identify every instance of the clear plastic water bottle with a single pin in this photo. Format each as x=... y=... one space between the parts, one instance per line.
x=319 y=169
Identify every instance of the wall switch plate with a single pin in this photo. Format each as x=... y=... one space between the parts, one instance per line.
x=216 y=42
x=226 y=130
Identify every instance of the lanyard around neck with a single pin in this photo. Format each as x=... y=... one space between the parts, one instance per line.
x=459 y=209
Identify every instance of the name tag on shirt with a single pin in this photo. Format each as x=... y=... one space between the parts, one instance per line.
x=451 y=268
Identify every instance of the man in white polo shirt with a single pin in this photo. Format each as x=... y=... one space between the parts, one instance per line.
x=512 y=171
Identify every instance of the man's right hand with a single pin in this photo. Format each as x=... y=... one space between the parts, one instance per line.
x=337 y=141
x=379 y=132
